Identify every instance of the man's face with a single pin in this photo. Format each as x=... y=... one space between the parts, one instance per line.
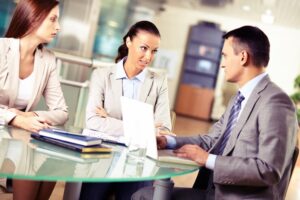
x=231 y=62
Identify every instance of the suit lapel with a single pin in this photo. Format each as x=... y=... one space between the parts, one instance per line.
x=245 y=114
x=13 y=64
x=116 y=86
x=146 y=86
x=38 y=70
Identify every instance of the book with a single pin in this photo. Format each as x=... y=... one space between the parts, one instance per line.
x=70 y=137
x=100 y=148
x=59 y=152
x=105 y=137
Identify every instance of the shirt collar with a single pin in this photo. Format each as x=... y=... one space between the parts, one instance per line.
x=120 y=73
x=247 y=89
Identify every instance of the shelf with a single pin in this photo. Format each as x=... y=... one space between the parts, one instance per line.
x=200 y=73
x=202 y=66
x=211 y=36
x=206 y=43
x=204 y=51
x=201 y=57
x=201 y=81
x=195 y=101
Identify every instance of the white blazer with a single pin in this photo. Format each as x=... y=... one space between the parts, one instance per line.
x=106 y=90
x=46 y=83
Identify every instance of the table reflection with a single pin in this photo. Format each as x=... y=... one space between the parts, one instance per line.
x=24 y=157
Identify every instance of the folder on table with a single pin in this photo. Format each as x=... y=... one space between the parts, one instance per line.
x=100 y=148
x=65 y=136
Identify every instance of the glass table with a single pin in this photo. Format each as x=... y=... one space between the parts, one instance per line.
x=22 y=157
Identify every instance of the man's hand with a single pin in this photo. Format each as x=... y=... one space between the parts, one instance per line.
x=161 y=142
x=101 y=112
x=192 y=152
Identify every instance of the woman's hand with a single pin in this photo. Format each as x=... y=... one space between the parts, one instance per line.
x=32 y=124
x=101 y=112
x=24 y=114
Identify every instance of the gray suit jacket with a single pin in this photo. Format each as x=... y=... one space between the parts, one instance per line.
x=256 y=162
x=106 y=91
x=46 y=82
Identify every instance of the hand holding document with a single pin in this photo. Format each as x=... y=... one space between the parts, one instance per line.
x=161 y=130
x=161 y=142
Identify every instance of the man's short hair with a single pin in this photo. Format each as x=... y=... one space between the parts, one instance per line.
x=254 y=41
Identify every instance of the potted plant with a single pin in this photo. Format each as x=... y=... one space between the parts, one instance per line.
x=296 y=96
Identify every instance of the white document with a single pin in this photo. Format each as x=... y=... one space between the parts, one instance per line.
x=105 y=137
x=138 y=123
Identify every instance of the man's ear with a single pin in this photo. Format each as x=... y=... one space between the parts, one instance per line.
x=244 y=57
x=128 y=41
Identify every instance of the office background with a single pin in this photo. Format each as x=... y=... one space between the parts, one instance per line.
x=93 y=29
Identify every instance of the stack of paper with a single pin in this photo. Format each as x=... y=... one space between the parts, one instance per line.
x=63 y=153
x=70 y=137
x=77 y=142
x=105 y=137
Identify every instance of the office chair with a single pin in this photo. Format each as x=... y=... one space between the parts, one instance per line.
x=173 y=119
x=294 y=161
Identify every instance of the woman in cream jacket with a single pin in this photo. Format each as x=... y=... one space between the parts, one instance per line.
x=130 y=77
x=27 y=72
x=45 y=83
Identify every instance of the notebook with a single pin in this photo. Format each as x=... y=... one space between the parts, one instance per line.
x=99 y=148
x=138 y=121
x=62 y=153
x=59 y=134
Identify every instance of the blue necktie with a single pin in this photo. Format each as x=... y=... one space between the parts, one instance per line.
x=234 y=113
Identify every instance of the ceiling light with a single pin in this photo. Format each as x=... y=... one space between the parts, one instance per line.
x=269 y=3
x=113 y=24
x=246 y=7
x=267 y=17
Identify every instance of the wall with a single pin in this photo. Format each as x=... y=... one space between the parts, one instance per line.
x=284 y=65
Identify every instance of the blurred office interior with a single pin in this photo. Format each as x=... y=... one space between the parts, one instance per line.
x=92 y=30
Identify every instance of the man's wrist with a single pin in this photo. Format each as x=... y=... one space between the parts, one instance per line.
x=201 y=160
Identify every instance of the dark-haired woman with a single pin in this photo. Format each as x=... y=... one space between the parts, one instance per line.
x=27 y=72
x=130 y=77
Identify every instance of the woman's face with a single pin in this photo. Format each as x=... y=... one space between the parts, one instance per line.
x=142 y=48
x=49 y=27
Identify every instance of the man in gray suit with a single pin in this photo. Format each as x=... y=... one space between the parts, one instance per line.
x=247 y=154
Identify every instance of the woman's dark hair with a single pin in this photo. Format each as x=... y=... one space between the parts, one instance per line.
x=254 y=40
x=134 y=29
x=28 y=16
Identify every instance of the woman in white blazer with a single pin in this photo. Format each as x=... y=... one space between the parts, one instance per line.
x=27 y=72
x=130 y=77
